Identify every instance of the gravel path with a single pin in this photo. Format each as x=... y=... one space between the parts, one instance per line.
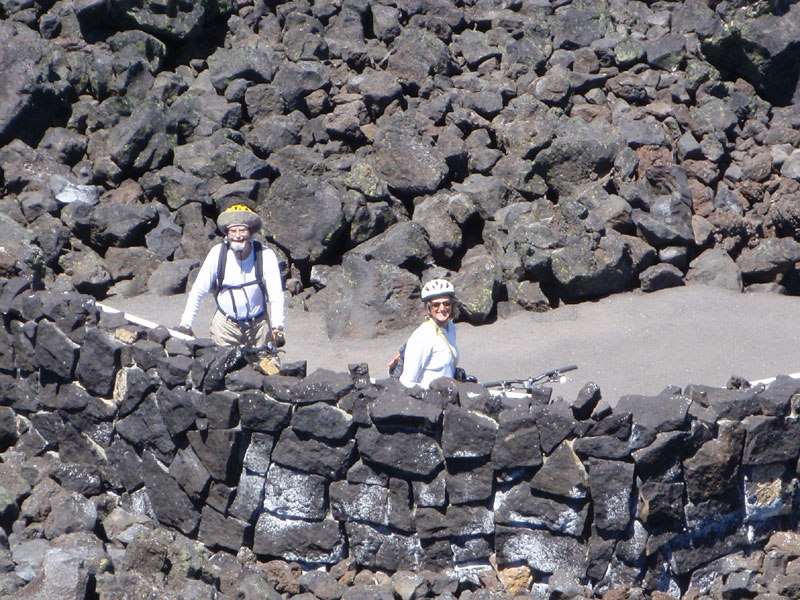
x=628 y=344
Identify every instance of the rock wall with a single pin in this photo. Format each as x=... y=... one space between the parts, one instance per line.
x=109 y=427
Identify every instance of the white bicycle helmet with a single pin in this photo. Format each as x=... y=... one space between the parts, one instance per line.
x=436 y=288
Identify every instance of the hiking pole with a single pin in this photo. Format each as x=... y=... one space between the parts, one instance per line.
x=141 y=321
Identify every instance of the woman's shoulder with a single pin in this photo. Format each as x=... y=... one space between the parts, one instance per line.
x=424 y=329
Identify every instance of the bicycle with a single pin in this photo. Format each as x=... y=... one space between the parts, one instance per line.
x=265 y=359
x=528 y=385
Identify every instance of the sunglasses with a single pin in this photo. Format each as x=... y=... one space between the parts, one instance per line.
x=441 y=303
x=237 y=231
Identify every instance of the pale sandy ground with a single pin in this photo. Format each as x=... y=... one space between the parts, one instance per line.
x=627 y=344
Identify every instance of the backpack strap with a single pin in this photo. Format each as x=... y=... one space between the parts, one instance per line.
x=441 y=335
x=223 y=259
x=259 y=268
x=258 y=248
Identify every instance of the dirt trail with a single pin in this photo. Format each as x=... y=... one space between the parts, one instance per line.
x=628 y=344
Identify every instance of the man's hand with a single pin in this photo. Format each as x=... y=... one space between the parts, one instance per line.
x=278 y=337
x=184 y=330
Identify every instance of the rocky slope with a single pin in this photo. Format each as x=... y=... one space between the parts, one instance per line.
x=538 y=151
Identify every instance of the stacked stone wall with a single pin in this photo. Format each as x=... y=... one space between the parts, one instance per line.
x=668 y=492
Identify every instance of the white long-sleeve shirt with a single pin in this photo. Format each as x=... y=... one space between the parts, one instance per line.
x=242 y=302
x=428 y=356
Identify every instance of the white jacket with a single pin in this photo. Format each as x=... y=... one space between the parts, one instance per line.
x=428 y=356
x=246 y=302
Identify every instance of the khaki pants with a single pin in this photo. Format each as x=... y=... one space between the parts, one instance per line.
x=252 y=334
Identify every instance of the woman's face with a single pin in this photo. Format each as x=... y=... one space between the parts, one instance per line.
x=440 y=309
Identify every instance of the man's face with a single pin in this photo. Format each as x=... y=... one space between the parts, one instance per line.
x=239 y=235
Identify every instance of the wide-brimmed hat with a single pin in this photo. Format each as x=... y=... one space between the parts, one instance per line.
x=239 y=214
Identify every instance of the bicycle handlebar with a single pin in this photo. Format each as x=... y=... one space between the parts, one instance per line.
x=562 y=370
x=556 y=372
x=530 y=381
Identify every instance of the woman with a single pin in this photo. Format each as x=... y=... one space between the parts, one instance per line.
x=431 y=351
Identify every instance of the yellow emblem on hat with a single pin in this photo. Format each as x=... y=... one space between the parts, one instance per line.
x=238 y=207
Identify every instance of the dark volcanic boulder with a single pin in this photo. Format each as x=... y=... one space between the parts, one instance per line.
x=715 y=267
x=98 y=362
x=345 y=35
x=219 y=451
x=403 y=244
x=321 y=420
x=770 y=440
x=477 y=285
x=405 y=410
x=583 y=271
x=211 y=156
x=140 y=141
x=658 y=413
x=251 y=58
x=714 y=468
x=322 y=385
x=379 y=549
x=467 y=434
x=516 y=441
x=295 y=494
x=218 y=530
x=19 y=254
x=312 y=456
x=273 y=132
x=55 y=352
x=668 y=218
x=176 y=186
x=770 y=259
x=70 y=512
x=444 y=216
x=762 y=50
x=611 y=486
x=139 y=56
x=562 y=474
x=540 y=549
x=417 y=54
x=178 y=407
x=145 y=427
x=359 y=502
x=305 y=216
x=29 y=99
x=8 y=428
x=413 y=454
x=292 y=539
x=170 y=503
x=262 y=413
x=190 y=473
x=406 y=160
x=579 y=153
x=108 y=224
x=525 y=126
x=659 y=277
x=294 y=81
x=51 y=236
x=377 y=88
x=182 y=22
x=370 y=297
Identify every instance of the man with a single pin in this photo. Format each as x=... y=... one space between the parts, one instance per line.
x=242 y=316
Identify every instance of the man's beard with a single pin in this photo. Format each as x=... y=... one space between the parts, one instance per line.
x=238 y=246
